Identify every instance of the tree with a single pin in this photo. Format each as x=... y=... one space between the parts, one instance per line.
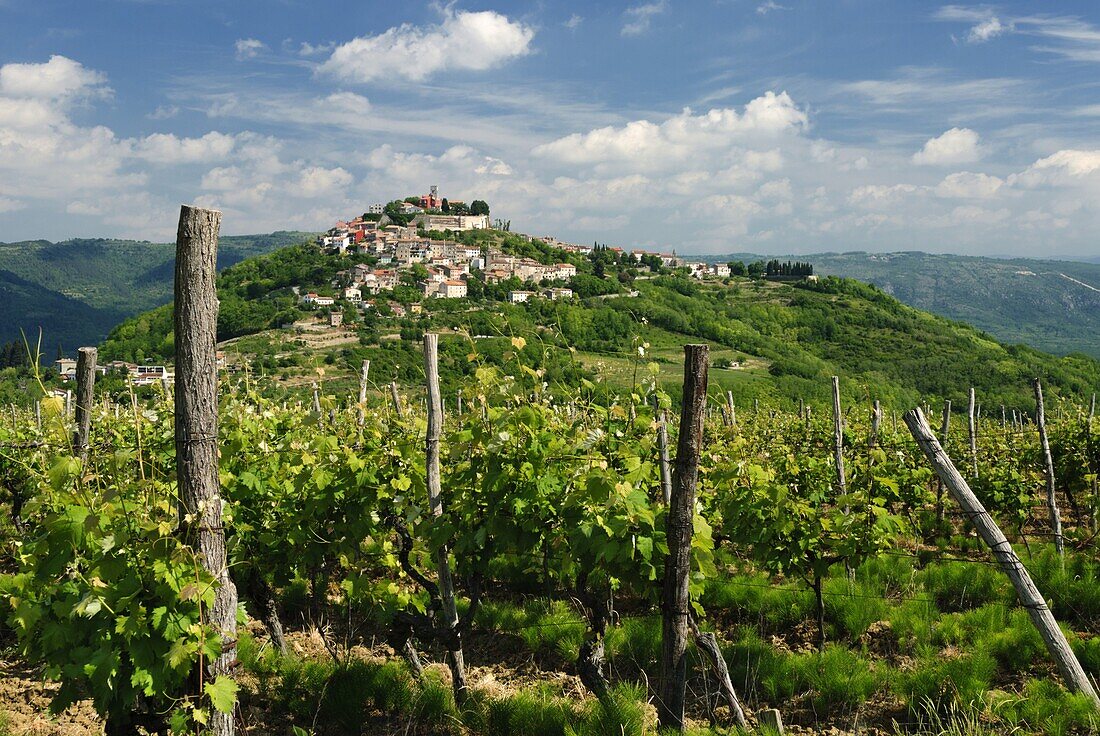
x=446 y=206
x=479 y=207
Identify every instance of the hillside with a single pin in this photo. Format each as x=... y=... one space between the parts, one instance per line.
x=1051 y=305
x=77 y=290
x=777 y=342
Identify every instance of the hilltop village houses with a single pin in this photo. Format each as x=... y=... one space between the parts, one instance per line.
x=448 y=264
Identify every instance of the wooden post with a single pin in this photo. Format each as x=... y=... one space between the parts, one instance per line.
x=396 y=400
x=68 y=403
x=38 y=414
x=1004 y=417
x=838 y=438
x=364 y=371
x=876 y=420
x=945 y=433
x=987 y=528
x=676 y=600
x=662 y=449
x=85 y=398
x=732 y=407
x=973 y=428
x=1048 y=468
x=316 y=400
x=196 y=419
x=458 y=402
x=771 y=720
x=435 y=506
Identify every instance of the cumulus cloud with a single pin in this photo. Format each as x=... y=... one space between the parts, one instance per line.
x=644 y=143
x=7 y=204
x=639 y=18
x=1062 y=167
x=57 y=79
x=969 y=185
x=168 y=149
x=249 y=48
x=955 y=146
x=987 y=29
x=464 y=41
x=164 y=112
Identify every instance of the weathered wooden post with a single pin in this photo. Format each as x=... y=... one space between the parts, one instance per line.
x=732 y=407
x=876 y=420
x=1004 y=418
x=662 y=449
x=396 y=397
x=458 y=402
x=85 y=398
x=1048 y=469
x=435 y=506
x=945 y=429
x=676 y=601
x=316 y=400
x=973 y=428
x=196 y=419
x=838 y=438
x=364 y=371
x=1029 y=596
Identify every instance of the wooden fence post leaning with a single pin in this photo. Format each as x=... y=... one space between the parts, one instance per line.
x=1029 y=596
x=676 y=601
x=435 y=506
x=196 y=425
x=85 y=398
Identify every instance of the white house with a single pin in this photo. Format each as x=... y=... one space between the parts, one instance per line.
x=353 y=294
x=564 y=271
x=515 y=297
x=721 y=270
x=452 y=289
x=560 y=293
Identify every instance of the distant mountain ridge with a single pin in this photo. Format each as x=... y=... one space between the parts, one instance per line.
x=1052 y=305
x=75 y=291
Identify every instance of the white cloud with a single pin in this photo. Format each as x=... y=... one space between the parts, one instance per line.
x=969 y=185
x=955 y=146
x=464 y=41
x=643 y=143
x=168 y=149
x=164 y=112
x=989 y=28
x=876 y=196
x=309 y=49
x=639 y=18
x=249 y=48
x=7 y=204
x=1063 y=167
x=57 y=79
x=767 y=6
x=317 y=181
x=574 y=22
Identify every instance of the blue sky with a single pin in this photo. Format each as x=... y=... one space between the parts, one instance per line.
x=785 y=126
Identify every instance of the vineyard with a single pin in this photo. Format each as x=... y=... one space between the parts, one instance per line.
x=513 y=559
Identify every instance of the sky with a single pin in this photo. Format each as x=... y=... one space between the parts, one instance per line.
x=704 y=126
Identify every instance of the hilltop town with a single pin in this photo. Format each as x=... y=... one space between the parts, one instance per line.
x=428 y=236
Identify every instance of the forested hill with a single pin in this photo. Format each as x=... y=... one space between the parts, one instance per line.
x=77 y=290
x=1051 y=305
x=776 y=341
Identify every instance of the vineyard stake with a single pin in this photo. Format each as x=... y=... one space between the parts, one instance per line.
x=676 y=599
x=733 y=409
x=838 y=437
x=316 y=400
x=196 y=420
x=85 y=398
x=662 y=448
x=363 y=373
x=1048 y=469
x=396 y=397
x=1005 y=556
x=435 y=505
x=945 y=433
x=973 y=428
x=876 y=420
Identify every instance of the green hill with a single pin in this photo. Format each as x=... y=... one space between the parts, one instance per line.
x=778 y=342
x=76 y=291
x=1051 y=305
